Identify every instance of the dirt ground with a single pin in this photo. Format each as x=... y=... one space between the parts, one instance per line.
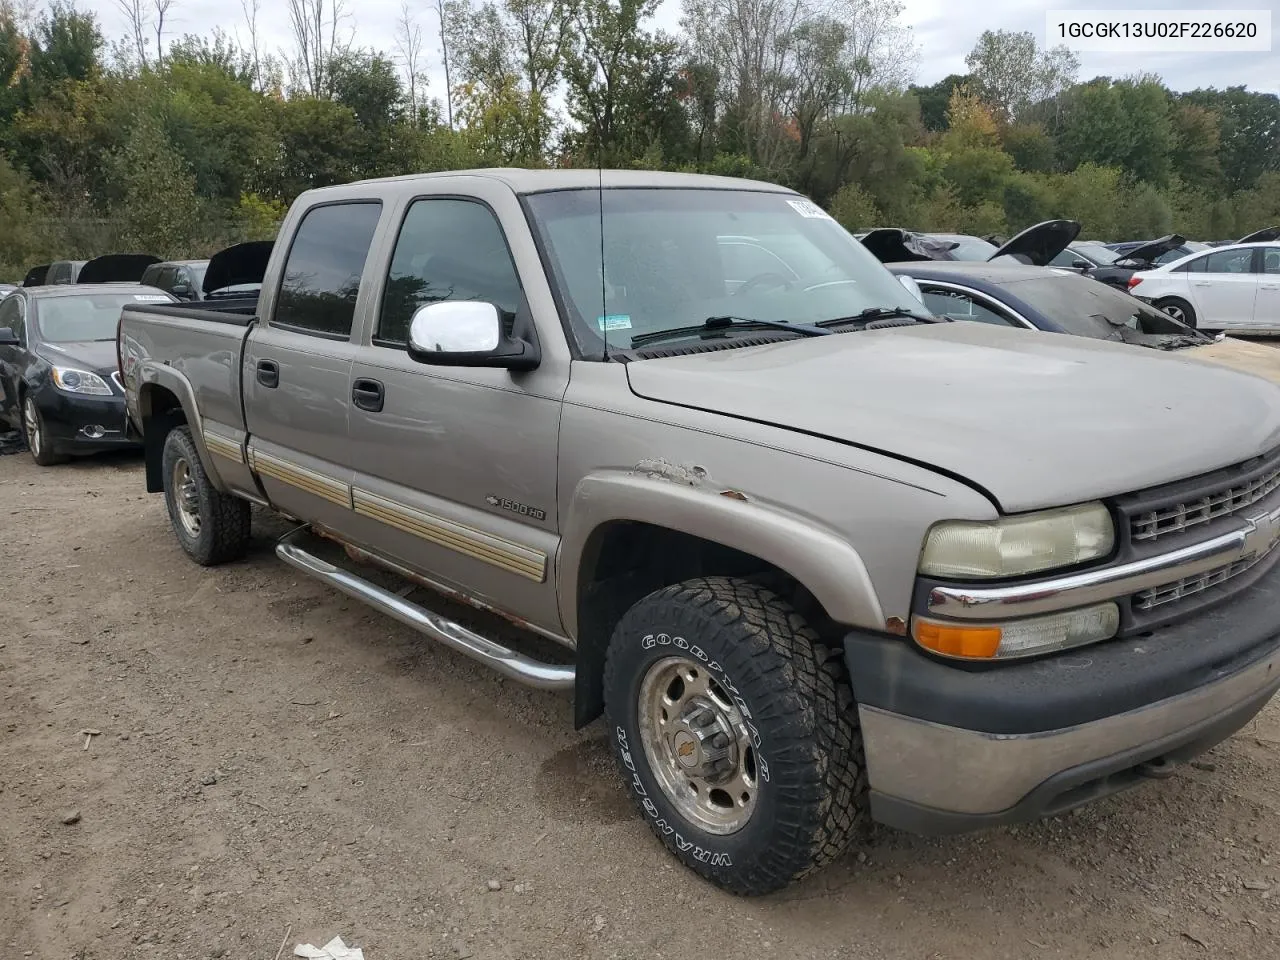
x=272 y=756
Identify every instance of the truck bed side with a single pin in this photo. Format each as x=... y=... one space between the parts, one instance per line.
x=180 y=364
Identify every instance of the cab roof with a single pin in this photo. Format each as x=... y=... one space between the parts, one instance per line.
x=522 y=180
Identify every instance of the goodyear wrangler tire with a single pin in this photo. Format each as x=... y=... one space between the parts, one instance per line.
x=736 y=733
x=212 y=527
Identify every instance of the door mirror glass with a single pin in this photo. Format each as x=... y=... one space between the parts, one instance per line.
x=8 y=338
x=912 y=287
x=455 y=326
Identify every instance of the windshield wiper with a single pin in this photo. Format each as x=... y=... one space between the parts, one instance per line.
x=716 y=324
x=882 y=313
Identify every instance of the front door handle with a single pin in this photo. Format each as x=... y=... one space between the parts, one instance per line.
x=368 y=394
x=269 y=373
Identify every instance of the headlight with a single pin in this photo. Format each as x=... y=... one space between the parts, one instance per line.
x=80 y=381
x=1016 y=546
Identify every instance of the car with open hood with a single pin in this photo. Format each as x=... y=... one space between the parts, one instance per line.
x=233 y=272
x=1036 y=245
x=814 y=554
x=59 y=380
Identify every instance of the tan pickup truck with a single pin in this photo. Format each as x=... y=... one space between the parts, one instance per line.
x=813 y=553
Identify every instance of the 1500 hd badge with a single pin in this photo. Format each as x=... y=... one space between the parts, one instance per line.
x=524 y=510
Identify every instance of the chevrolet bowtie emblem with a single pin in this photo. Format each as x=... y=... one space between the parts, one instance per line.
x=1262 y=533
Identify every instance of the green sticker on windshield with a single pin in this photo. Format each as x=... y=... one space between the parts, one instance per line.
x=614 y=321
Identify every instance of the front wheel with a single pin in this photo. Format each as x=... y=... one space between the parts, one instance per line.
x=1179 y=309
x=213 y=527
x=38 y=440
x=736 y=733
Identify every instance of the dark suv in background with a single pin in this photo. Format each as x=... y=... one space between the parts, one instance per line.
x=182 y=278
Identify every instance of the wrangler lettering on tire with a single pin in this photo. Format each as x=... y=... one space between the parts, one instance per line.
x=735 y=731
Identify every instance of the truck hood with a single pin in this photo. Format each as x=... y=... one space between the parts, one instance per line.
x=1034 y=419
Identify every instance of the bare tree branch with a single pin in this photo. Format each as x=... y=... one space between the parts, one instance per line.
x=409 y=49
x=443 y=17
x=138 y=20
x=162 y=11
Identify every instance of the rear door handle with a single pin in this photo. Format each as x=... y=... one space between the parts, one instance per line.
x=368 y=394
x=269 y=373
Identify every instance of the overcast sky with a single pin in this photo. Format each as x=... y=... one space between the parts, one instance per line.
x=945 y=30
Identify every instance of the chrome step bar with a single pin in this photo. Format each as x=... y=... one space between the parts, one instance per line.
x=544 y=676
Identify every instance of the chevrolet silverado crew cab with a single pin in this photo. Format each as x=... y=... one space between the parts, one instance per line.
x=815 y=554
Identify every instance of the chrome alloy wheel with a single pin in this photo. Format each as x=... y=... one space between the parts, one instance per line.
x=697 y=745
x=31 y=420
x=1176 y=312
x=187 y=498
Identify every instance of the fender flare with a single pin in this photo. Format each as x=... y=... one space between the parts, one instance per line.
x=148 y=373
x=826 y=564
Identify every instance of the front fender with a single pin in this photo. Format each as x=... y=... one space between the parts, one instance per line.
x=149 y=377
x=826 y=564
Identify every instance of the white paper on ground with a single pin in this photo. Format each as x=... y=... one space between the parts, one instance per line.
x=335 y=949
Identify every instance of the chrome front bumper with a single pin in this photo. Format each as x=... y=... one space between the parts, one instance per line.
x=929 y=777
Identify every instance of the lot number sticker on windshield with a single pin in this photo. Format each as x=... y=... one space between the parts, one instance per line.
x=151 y=297
x=614 y=321
x=807 y=208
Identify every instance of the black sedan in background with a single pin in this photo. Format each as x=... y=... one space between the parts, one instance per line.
x=58 y=367
x=1045 y=298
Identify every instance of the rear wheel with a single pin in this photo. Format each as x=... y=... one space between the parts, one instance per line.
x=213 y=527
x=1179 y=309
x=38 y=440
x=736 y=733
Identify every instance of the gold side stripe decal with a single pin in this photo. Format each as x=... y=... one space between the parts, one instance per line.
x=222 y=446
x=512 y=557
x=317 y=484
x=468 y=541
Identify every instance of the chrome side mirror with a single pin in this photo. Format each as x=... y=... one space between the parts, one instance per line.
x=466 y=333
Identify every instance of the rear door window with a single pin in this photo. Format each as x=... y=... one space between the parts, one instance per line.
x=322 y=273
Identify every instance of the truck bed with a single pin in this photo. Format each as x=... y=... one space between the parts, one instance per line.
x=193 y=348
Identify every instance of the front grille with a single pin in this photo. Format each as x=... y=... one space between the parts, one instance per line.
x=1175 y=518
x=1188 y=586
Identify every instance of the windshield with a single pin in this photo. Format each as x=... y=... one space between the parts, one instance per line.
x=85 y=317
x=1096 y=252
x=673 y=258
x=970 y=248
x=1088 y=308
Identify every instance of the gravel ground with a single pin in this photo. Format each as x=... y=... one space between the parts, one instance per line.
x=270 y=756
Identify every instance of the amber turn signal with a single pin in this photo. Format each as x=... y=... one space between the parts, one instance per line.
x=957 y=640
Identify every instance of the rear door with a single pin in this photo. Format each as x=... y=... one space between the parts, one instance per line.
x=1224 y=288
x=296 y=368
x=1266 y=309
x=456 y=467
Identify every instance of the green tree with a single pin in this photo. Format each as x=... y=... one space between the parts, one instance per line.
x=1249 y=138
x=1125 y=124
x=1030 y=146
x=67 y=46
x=854 y=209
x=1011 y=71
x=936 y=99
x=1196 y=144
x=158 y=193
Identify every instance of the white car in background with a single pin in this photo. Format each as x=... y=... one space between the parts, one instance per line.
x=1226 y=288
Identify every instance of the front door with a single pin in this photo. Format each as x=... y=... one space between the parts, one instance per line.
x=297 y=367
x=1224 y=292
x=12 y=359
x=456 y=467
